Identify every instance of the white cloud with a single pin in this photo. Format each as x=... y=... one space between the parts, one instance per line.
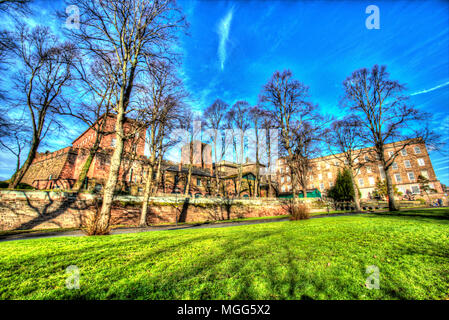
x=223 y=34
x=431 y=89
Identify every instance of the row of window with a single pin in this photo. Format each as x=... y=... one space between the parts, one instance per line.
x=408 y=164
x=371 y=180
x=416 y=149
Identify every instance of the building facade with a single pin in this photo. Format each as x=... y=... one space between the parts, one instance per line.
x=411 y=162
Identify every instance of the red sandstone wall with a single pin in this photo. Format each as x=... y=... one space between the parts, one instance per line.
x=45 y=210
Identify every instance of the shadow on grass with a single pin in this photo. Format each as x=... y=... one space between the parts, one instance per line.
x=225 y=273
x=436 y=214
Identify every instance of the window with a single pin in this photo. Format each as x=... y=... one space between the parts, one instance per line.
x=395 y=166
x=417 y=150
x=287 y=169
x=361 y=183
x=283 y=189
x=320 y=176
x=407 y=164
x=336 y=162
x=328 y=165
x=366 y=158
x=288 y=179
x=425 y=174
x=282 y=180
x=280 y=170
x=311 y=178
x=421 y=162
x=331 y=184
x=404 y=152
x=431 y=186
x=368 y=170
x=318 y=166
x=329 y=175
x=346 y=161
x=198 y=182
x=289 y=187
x=322 y=186
x=415 y=189
x=390 y=153
x=411 y=176
x=397 y=177
x=113 y=142
x=371 y=181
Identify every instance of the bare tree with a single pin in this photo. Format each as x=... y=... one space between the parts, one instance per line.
x=214 y=118
x=7 y=47
x=257 y=116
x=190 y=124
x=98 y=87
x=346 y=145
x=126 y=32
x=16 y=141
x=386 y=117
x=298 y=122
x=238 y=122
x=267 y=124
x=14 y=5
x=160 y=101
x=46 y=73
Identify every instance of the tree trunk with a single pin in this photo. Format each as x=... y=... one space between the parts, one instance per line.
x=189 y=176
x=270 y=186
x=217 y=169
x=158 y=177
x=356 y=191
x=146 y=196
x=15 y=180
x=109 y=190
x=392 y=205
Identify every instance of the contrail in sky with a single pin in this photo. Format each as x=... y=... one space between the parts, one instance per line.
x=223 y=34
x=431 y=89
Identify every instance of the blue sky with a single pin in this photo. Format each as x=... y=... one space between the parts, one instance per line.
x=234 y=47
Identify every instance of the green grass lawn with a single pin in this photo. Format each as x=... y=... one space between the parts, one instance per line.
x=313 y=259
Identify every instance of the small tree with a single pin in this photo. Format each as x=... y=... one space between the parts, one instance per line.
x=424 y=186
x=381 y=190
x=343 y=190
x=346 y=145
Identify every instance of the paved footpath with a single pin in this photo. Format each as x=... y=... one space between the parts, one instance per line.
x=79 y=233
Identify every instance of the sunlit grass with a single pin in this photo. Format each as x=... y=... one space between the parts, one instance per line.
x=311 y=259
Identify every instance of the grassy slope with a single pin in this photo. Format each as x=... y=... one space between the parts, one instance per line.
x=318 y=258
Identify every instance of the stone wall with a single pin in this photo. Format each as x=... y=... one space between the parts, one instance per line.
x=45 y=210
